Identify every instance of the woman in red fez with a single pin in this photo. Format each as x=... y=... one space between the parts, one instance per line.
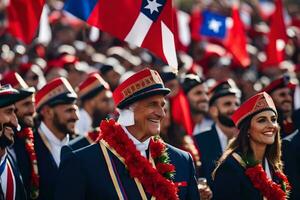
x=251 y=167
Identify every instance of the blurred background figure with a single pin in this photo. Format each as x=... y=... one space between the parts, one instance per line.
x=223 y=102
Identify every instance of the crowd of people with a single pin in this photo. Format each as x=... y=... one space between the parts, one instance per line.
x=85 y=118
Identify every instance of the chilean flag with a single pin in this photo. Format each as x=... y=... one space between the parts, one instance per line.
x=229 y=31
x=144 y=23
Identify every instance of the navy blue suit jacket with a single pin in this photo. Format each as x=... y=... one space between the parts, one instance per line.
x=23 y=162
x=84 y=175
x=47 y=167
x=210 y=151
x=291 y=159
x=20 y=189
x=79 y=142
x=232 y=183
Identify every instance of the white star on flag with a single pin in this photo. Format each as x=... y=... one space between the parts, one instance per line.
x=152 y=6
x=214 y=25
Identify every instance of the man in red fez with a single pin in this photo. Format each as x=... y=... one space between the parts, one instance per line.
x=23 y=147
x=11 y=184
x=57 y=111
x=130 y=161
x=282 y=96
x=96 y=105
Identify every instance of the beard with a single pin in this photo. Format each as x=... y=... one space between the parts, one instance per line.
x=25 y=124
x=98 y=116
x=63 y=126
x=4 y=140
x=225 y=120
x=196 y=110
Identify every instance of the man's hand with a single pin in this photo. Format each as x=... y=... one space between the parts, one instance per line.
x=205 y=193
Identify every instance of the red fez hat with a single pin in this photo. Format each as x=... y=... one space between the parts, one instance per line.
x=24 y=68
x=91 y=86
x=8 y=95
x=223 y=88
x=257 y=103
x=57 y=91
x=17 y=82
x=282 y=82
x=142 y=84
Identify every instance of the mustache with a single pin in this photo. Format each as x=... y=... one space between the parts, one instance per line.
x=71 y=120
x=286 y=101
x=203 y=101
x=8 y=125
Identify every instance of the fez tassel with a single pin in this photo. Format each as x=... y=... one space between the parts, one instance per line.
x=157 y=182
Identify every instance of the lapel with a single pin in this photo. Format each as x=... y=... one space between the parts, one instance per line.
x=20 y=190
x=23 y=160
x=216 y=140
x=43 y=152
x=127 y=183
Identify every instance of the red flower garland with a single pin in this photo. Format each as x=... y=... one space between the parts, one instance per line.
x=93 y=135
x=138 y=166
x=266 y=186
x=27 y=134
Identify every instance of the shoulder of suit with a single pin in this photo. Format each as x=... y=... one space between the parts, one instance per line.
x=177 y=152
x=230 y=163
x=206 y=134
x=291 y=137
x=75 y=140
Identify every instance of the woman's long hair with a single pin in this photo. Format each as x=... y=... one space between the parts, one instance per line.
x=242 y=144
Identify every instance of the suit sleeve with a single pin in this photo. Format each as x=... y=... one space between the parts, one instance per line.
x=226 y=184
x=291 y=159
x=193 y=193
x=71 y=183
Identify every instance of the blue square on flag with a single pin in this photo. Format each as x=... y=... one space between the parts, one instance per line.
x=213 y=25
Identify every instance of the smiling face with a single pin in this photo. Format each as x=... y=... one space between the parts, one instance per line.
x=8 y=121
x=263 y=128
x=148 y=114
x=25 y=111
x=64 y=118
x=198 y=99
x=283 y=100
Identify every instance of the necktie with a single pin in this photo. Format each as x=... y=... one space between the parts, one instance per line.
x=10 y=183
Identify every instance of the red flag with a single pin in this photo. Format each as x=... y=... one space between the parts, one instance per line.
x=181 y=112
x=275 y=50
x=144 y=23
x=182 y=32
x=237 y=39
x=23 y=18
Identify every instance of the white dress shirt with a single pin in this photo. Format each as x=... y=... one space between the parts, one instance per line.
x=203 y=126
x=140 y=146
x=3 y=178
x=84 y=123
x=54 y=142
x=222 y=138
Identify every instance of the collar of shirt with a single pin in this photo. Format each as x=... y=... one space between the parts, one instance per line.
x=222 y=137
x=84 y=124
x=52 y=138
x=140 y=146
x=205 y=125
